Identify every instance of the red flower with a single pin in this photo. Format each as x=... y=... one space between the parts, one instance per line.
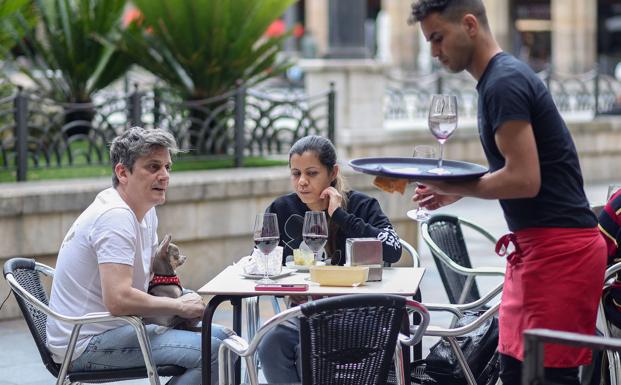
x=277 y=28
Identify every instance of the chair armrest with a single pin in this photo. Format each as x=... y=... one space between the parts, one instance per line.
x=416 y=331
x=612 y=271
x=412 y=251
x=458 y=309
x=470 y=271
x=236 y=344
x=480 y=229
x=438 y=331
x=485 y=271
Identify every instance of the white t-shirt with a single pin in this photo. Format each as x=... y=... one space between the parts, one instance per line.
x=106 y=232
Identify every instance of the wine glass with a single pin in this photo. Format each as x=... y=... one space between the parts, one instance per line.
x=424 y=152
x=315 y=231
x=266 y=237
x=612 y=189
x=442 y=123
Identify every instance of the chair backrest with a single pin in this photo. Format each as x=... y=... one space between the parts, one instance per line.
x=350 y=340
x=446 y=233
x=27 y=276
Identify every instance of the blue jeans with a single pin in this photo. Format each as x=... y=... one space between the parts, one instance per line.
x=280 y=355
x=119 y=348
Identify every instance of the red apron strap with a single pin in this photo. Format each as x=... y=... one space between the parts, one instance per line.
x=502 y=249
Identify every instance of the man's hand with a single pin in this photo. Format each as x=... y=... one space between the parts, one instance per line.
x=430 y=196
x=191 y=306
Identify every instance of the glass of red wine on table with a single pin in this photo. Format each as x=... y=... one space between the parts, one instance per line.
x=266 y=237
x=315 y=231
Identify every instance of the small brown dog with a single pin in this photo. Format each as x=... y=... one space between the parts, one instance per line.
x=164 y=279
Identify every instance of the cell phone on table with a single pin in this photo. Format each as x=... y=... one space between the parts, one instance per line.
x=281 y=287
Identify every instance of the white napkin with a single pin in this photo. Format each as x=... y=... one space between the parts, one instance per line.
x=254 y=264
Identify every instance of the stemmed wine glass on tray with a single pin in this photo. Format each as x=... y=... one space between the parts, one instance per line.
x=315 y=231
x=442 y=123
x=266 y=237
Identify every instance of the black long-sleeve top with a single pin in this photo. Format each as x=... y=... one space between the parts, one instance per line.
x=363 y=218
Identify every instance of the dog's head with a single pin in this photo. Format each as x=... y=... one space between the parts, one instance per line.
x=167 y=258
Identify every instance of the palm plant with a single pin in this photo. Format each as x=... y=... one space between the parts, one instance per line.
x=66 y=60
x=201 y=48
x=8 y=33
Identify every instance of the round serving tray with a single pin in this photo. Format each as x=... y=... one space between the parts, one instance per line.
x=417 y=168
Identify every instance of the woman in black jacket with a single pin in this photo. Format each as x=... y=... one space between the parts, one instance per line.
x=319 y=186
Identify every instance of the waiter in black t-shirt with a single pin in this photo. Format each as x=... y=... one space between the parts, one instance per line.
x=555 y=275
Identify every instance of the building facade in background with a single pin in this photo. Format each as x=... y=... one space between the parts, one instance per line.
x=572 y=36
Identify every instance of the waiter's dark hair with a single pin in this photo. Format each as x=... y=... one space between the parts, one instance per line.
x=452 y=10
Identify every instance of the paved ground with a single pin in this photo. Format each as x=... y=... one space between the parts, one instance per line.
x=20 y=363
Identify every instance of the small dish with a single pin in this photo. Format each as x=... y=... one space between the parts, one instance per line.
x=339 y=275
x=283 y=273
x=292 y=265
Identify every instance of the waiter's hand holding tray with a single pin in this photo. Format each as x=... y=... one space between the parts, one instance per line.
x=395 y=172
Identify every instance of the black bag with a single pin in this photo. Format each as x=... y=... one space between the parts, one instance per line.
x=479 y=347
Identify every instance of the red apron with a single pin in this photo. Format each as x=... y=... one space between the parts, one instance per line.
x=553 y=280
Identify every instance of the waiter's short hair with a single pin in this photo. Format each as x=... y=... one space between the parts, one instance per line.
x=452 y=10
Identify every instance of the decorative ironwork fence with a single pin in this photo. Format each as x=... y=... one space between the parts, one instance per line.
x=37 y=132
x=588 y=94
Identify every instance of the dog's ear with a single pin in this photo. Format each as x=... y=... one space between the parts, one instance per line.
x=163 y=246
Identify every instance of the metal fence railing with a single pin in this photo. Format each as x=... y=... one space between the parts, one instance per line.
x=589 y=94
x=36 y=132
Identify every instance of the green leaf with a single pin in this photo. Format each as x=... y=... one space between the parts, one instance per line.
x=203 y=47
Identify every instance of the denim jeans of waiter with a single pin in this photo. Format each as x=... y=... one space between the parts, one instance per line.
x=279 y=353
x=119 y=349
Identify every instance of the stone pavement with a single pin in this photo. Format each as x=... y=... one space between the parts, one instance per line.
x=20 y=363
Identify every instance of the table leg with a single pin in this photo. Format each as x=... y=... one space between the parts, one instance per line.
x=210 y=309
x=418 y=348
x=237 y=327
x=206 y=337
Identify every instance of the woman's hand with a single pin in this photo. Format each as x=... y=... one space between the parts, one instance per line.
x=430 y=196
x=334 y=199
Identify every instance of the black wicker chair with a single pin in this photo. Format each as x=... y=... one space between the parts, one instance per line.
x=345 y=340
x=444 y=236
x=23 y=276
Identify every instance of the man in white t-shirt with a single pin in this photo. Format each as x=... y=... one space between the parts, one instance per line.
x=104 y=265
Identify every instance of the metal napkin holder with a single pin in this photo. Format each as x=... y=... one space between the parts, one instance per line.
x=365 y=252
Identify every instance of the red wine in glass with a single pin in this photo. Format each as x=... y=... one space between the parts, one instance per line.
x=266 y=244
x=266 y=236
x=315 y=242
x=315 y=231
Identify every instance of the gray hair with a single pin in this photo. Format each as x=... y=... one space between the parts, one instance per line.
x=136 y=143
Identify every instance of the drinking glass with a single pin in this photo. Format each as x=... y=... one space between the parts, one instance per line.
x=442 y=123
x=266 y=237
x=613 y=188
x=424 y=152
x=315 y=231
